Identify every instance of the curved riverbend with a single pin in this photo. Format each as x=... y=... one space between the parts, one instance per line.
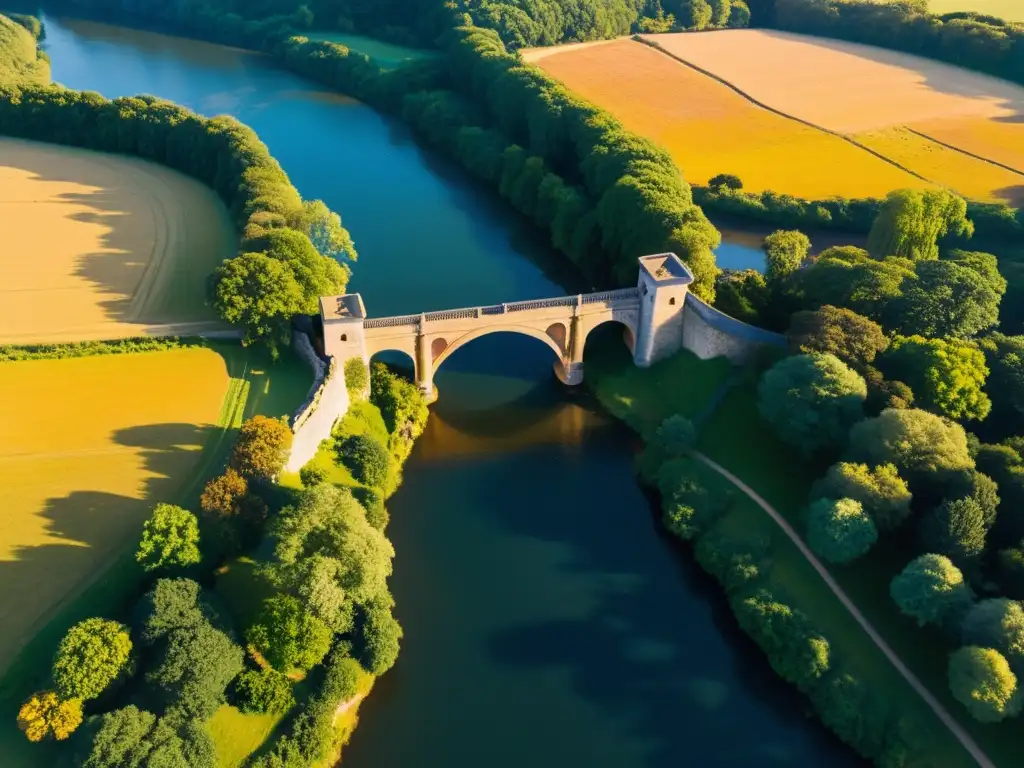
x=547 y=620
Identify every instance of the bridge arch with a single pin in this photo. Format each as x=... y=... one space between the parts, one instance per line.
x=397 y=354
x=461 y=341
x=627 y=323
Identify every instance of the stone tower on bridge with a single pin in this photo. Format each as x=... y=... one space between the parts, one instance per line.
x=651 y=314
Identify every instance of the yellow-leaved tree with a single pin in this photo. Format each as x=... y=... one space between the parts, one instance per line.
x=44 y=715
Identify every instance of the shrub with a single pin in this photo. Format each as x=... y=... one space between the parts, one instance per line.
x=840 y=531
x=92 y=655
x=931 y=590
x=357 y=377
x=341 y=681
x=997 y=623
x=45 y=715
x=795 y=650
x=812 y=400
x=982 y=681
x=288 y=636
x=311 y=475
x=859 y=716
x=381 y=634
x=736 y=563
x=880 y=491
x=261 y=450
x=366 y=459
x=687 y=504
x=264 y=691
x=170 y=539
x=372 y=502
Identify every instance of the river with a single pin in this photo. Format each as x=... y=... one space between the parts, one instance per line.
x=548 y=622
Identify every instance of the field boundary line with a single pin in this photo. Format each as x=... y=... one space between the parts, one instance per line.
x=962 y=151
x=934 y=704
x=807 y=124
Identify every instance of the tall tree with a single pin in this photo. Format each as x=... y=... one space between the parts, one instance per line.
x=848 y=277
x=92 y=655
x=785 y=251
x=812 y=400
x=45 y=715
x=997 y=623
x=982 y=681
x=288 y=636
x=839 y=530
x=947 y=377
x=883 y=494
x=170 y=539
x=931 y=590
x=852 y=338
x=956 y=528
x=947 y=300
x=261 y=450
x=911 y=222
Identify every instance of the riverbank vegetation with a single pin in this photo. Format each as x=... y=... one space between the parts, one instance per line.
x=20 y=58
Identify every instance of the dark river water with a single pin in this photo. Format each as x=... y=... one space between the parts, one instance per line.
x=547 y=621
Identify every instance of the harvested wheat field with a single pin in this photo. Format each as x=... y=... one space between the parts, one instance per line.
x=711 y=129
x=996 y=140
x=844 y=87
x=103 y=246
x=949 y=167
x=90 y=444
x=1011 y=10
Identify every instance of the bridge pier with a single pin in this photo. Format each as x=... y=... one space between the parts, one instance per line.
x=424 y=364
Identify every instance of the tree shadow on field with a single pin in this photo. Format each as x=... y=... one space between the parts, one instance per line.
x=89 y=571
x=1012 y=196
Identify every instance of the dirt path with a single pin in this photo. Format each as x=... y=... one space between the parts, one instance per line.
x=947 y=719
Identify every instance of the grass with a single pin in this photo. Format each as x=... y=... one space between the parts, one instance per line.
x=100 y=246
x=1011 y=10
x=238 y=734
x=736 y=437
x=710 y=129
x=968 y=176
x=172 y=464
x=387 y=55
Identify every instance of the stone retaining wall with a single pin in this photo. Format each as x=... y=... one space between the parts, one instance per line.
x=709 y=333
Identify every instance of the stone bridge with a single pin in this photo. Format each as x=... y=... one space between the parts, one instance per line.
x=651 y=315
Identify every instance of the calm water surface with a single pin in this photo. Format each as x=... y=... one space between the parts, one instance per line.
x=547 y=621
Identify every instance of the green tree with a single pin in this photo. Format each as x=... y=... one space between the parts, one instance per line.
x=689 y=502
x=328 y=554
x=845 y=276
x=264 y=691
x=366 y=458
x=785 y=251
x=743 y=294
x=947 y=300
x=1005 y=466
x=997 y=623
x=955 y=528
x=170 y=539
x=675 y=436
x=839 y=530
x=92 y=655
x=170 y=605
x=811 y=401
x=260 y=294
x=881 y=491
x=982 y=681
x=795 y=650
x=134 y=737
x=357 y=377
x=911 y=222
x=695 y=14
x=315 y=275
x=931 y=590
x=739 y=14
x=312 y=474
x=381 y=635
x=261 y=450
x=195 y=668
x=852 y=338
x=947 y=377
x=323 y=227
x=720 y=11
x=919 y=444
x=1011 y=571
x=1005 y=385
x=288 y=636
x=225 y=494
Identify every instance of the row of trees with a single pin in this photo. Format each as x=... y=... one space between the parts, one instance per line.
x=694 y=499
x=292 y=252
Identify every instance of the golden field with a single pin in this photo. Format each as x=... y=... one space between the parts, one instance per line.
x=1011 y=10
x=948 y=167
x=90 y=444
x=802 y=115
x=710 y=129
x=100 y=246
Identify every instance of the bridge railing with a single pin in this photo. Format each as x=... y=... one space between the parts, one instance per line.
x=501 y=309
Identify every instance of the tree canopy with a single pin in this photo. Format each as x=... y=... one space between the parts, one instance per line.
x=852 y=338
x=982 y=681
x=919 y=444
x=92 y=655
x=170 y=539
x=882 y=493
x=261 y=449
x=911 y=222
x=45 y=715
x=947 y=377
x=998 y=623
x=328 y=555
x=785 y=251
x=955 y=528
x=288 y=636
x=845 y=276
x=931 y=590
x=947 y=300
x=811 y=400
x=839 y=530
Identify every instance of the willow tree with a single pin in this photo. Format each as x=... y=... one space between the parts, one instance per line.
x=911 y=221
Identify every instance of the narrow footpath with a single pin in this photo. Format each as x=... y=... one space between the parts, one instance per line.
x=964 y=738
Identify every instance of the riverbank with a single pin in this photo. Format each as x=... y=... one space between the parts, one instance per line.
x=858 y=683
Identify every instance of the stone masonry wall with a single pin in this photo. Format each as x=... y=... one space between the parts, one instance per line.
x=328 y=401
x=709 y=333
